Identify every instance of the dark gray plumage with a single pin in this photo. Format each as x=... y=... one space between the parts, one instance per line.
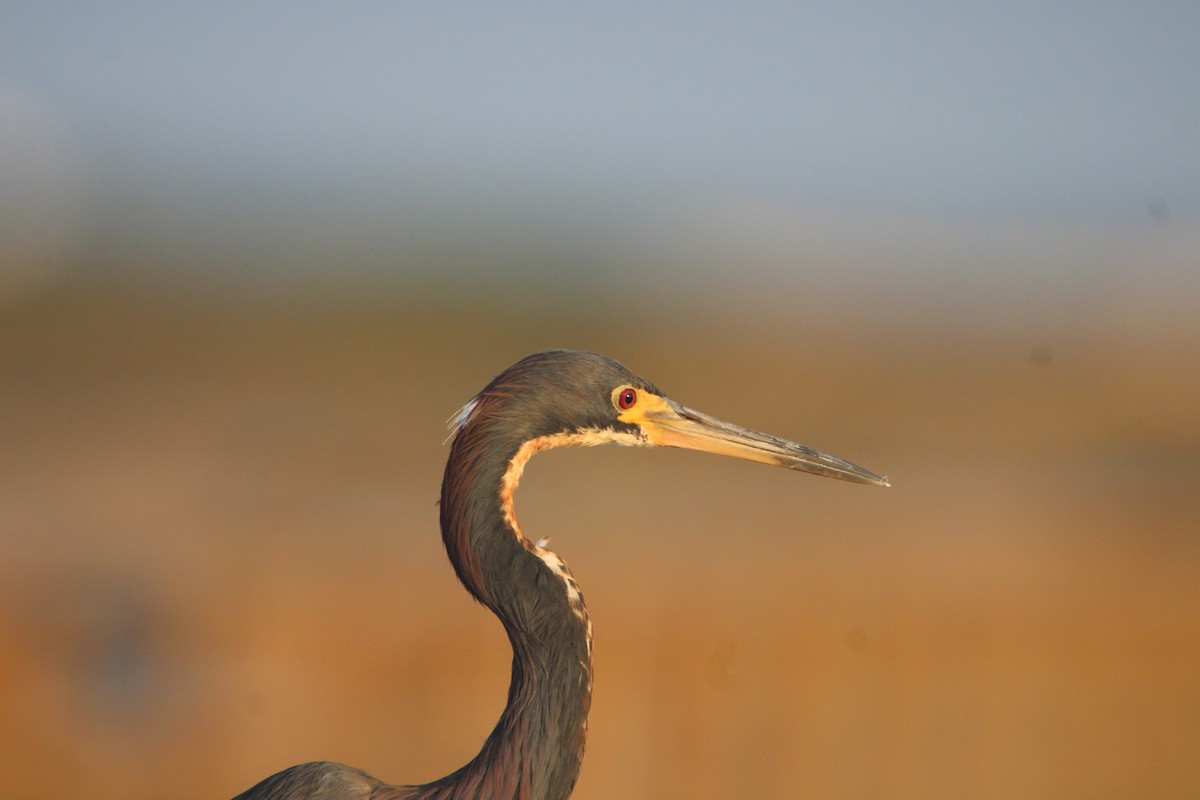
x=549 y=399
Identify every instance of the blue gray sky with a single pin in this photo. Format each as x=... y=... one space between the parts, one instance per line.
x=356 y=122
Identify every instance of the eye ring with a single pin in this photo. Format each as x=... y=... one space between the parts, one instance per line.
x=626 y=398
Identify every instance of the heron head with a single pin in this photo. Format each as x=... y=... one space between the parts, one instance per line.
x=572 y=397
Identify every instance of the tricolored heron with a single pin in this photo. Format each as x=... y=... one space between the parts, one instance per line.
x=550 y=399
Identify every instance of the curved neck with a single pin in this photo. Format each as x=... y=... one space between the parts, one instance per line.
x=536 y=748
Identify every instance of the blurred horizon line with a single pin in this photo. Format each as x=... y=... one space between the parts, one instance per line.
x=766 y=256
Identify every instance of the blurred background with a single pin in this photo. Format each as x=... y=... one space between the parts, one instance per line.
x=253 y=255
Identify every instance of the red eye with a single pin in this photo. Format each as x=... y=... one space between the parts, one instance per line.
x=626 y=399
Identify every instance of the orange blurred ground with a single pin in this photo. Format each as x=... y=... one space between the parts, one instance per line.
x=219 y=553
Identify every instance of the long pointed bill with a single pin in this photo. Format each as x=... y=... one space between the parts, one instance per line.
x=670 y=424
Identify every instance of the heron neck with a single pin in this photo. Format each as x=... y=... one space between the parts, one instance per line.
x=536 y=748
